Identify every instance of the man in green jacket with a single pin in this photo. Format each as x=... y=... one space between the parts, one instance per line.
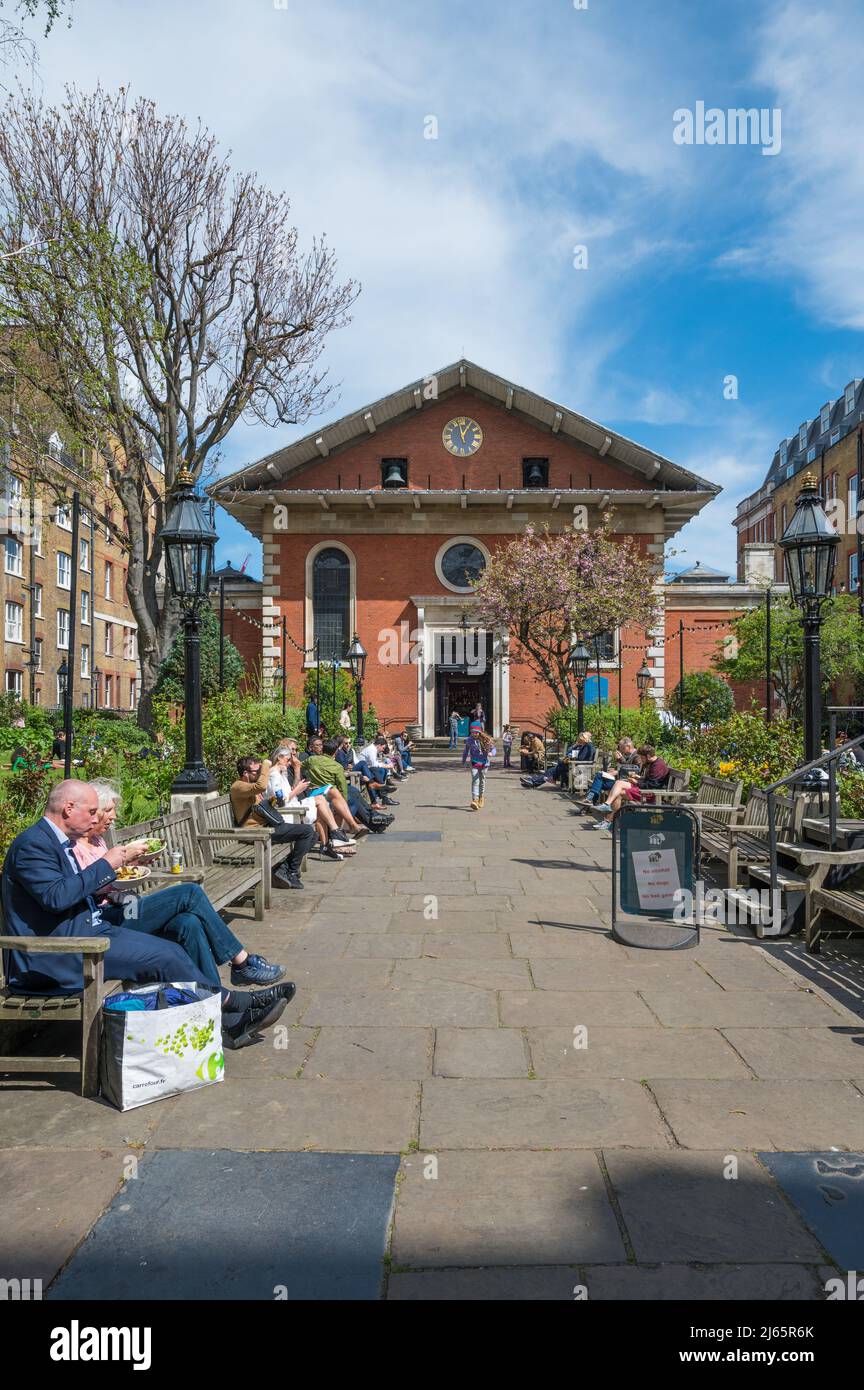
x=327 y=778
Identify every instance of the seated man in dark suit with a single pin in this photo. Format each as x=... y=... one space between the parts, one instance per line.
x=47 y=893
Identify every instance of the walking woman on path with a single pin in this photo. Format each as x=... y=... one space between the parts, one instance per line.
x=479 y=750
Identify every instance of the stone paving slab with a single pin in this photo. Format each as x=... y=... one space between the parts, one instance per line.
x=678 y=1208
x=491 y=1052
x=789 y=1054
x=473 y=946
x=344 y=1116
x=314 y=974
x=36 y=1116
x=449 y=921
x=39 y=1226
x=310 y=1226
x=716 y=1283
x=763 y=1114
x=828 y=1190
x=638 y=1053
x=538 y=1114
x=741 y=1008
x=545 y=1008
x=524 y=1285
x=355 y=1053
x=483 y=973
x=460 y=1005
x=384 y=946
x=281 y=1053
x=504 y=1209
x=656 y=972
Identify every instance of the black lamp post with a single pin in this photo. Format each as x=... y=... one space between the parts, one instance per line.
x=356 y=657
x=189 y=540
x=334 y=667
x=809 y=546
x=579 y=661
x=643 y=680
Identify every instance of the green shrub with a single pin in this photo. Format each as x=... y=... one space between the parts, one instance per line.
x=643 y=725
x=707 y=699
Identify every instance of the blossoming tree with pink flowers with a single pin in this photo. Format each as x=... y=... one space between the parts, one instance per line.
x=550 y=590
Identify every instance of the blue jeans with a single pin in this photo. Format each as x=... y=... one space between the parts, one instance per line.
x=454 y=737
x=367 y=777
x=185 y=914
x=597 y=785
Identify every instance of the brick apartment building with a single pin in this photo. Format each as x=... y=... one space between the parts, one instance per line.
x=829 y=446
x=35 y=582
x=370 y=524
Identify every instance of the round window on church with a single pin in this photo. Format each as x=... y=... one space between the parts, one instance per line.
x=461 y=564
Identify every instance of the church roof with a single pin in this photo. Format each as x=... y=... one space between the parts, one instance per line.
x=276 y=470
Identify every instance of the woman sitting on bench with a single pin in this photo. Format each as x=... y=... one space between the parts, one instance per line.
x=653 y=776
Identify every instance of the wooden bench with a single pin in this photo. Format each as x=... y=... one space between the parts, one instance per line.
x=224 y=844
x=677 y=787
x=224 y=884
x=717 y=804
x=841 y=901
x=746 y=841
x=80 y=1008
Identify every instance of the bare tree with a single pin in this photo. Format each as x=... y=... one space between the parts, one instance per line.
x=15 y=45
x=164 y=299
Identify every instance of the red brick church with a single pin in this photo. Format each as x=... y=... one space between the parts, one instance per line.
x=375 y=523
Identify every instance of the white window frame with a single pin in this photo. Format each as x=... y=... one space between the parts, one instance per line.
x=55 y=446
x=62 y=630
x=802 y=437
x=824 y=419
x=13 y=625
x=14 y=490
x=109 y=580
x=37 y=600
x=853 y=572
x=811 y=453
x=784 y=453
x=85 y=606
x=108 y=690
x=37 y=537
x=129 y=636
x=13 y=560
x=849 y=400
x=84 y=554
x=835 y=435
x=64 y=571
x=63 y=516
x=85 y=660
x=109 y=640
x=16 y=686
x=133 y=692
x=37 y=652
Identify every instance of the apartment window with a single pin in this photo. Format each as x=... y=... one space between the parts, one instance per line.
x=109 y=692
x=14 y=683
x=849 y=399
x=59 y=700
x=853 y=572
x=84 y=554
x=133 y=693
x=802 y=437
x=831 y=487
x=108 y=576
x=14 y=621
x=14 y=556
x=37 y=653
x=784 y=453
x=811 y=454
x=129 y=644
x=85 y=608
x=109 y=639
x=109 y=525
x=64 y=570
x=37 y=537
x=14 y=490
x=85 y=661
x=604 y=645
x=63 y=629
x=835 y=435
x=55 y=446
x=37 y=600
x=63 y=516
x=86 y=518
x=852 y=497
x=824 y=418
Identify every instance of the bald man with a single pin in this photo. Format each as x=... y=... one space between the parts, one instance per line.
x=47 y=893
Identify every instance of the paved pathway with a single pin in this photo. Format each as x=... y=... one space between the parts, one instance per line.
x=570 y=1113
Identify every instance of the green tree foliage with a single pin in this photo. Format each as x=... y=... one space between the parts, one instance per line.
x=171 y=682
x=642 y=725
x=707 y=699
x=842 y=650
x=330 y=709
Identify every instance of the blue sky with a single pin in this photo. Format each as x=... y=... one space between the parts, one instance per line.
x=555 y=130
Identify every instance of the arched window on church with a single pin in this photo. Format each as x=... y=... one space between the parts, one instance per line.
x=331 y=603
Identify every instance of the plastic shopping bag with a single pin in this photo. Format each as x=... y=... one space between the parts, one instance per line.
x=162 y=1048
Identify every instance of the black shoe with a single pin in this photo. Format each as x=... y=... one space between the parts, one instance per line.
x=257 y=1016
x=328 y=852
x=263 y=998
x=283 y=879
x=388 y=801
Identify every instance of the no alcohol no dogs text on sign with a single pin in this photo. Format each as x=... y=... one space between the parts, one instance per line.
x=655 y=851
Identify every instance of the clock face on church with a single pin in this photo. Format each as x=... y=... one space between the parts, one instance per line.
x=462 y=436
